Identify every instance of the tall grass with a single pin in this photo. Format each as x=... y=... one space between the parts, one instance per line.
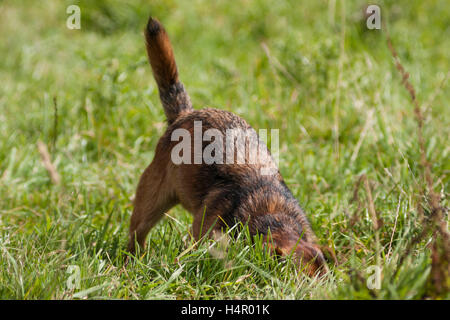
x=369 y=167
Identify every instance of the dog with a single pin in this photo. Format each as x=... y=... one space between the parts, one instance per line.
x=217 y=195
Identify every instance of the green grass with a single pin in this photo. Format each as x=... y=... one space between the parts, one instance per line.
x=334 y=94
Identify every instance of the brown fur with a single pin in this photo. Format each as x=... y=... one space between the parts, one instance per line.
x=218 y=195
x=159 y=50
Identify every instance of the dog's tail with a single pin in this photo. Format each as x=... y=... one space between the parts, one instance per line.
x=174 y=97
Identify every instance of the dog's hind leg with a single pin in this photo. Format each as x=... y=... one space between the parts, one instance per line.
x=154 y=196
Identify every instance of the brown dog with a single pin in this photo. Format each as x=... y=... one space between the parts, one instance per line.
x=218 y=195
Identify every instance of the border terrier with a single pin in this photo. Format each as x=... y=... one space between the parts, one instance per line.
x=218 y=195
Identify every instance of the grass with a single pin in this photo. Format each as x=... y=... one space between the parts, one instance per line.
x=348 y=139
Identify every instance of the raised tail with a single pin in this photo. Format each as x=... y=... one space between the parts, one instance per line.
x=174 y=97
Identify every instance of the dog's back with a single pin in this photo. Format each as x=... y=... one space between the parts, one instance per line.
x=219 y=193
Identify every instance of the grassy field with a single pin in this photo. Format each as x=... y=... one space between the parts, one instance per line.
x=349 y=139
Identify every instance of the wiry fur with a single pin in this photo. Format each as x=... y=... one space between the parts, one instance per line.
x=218 y=195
